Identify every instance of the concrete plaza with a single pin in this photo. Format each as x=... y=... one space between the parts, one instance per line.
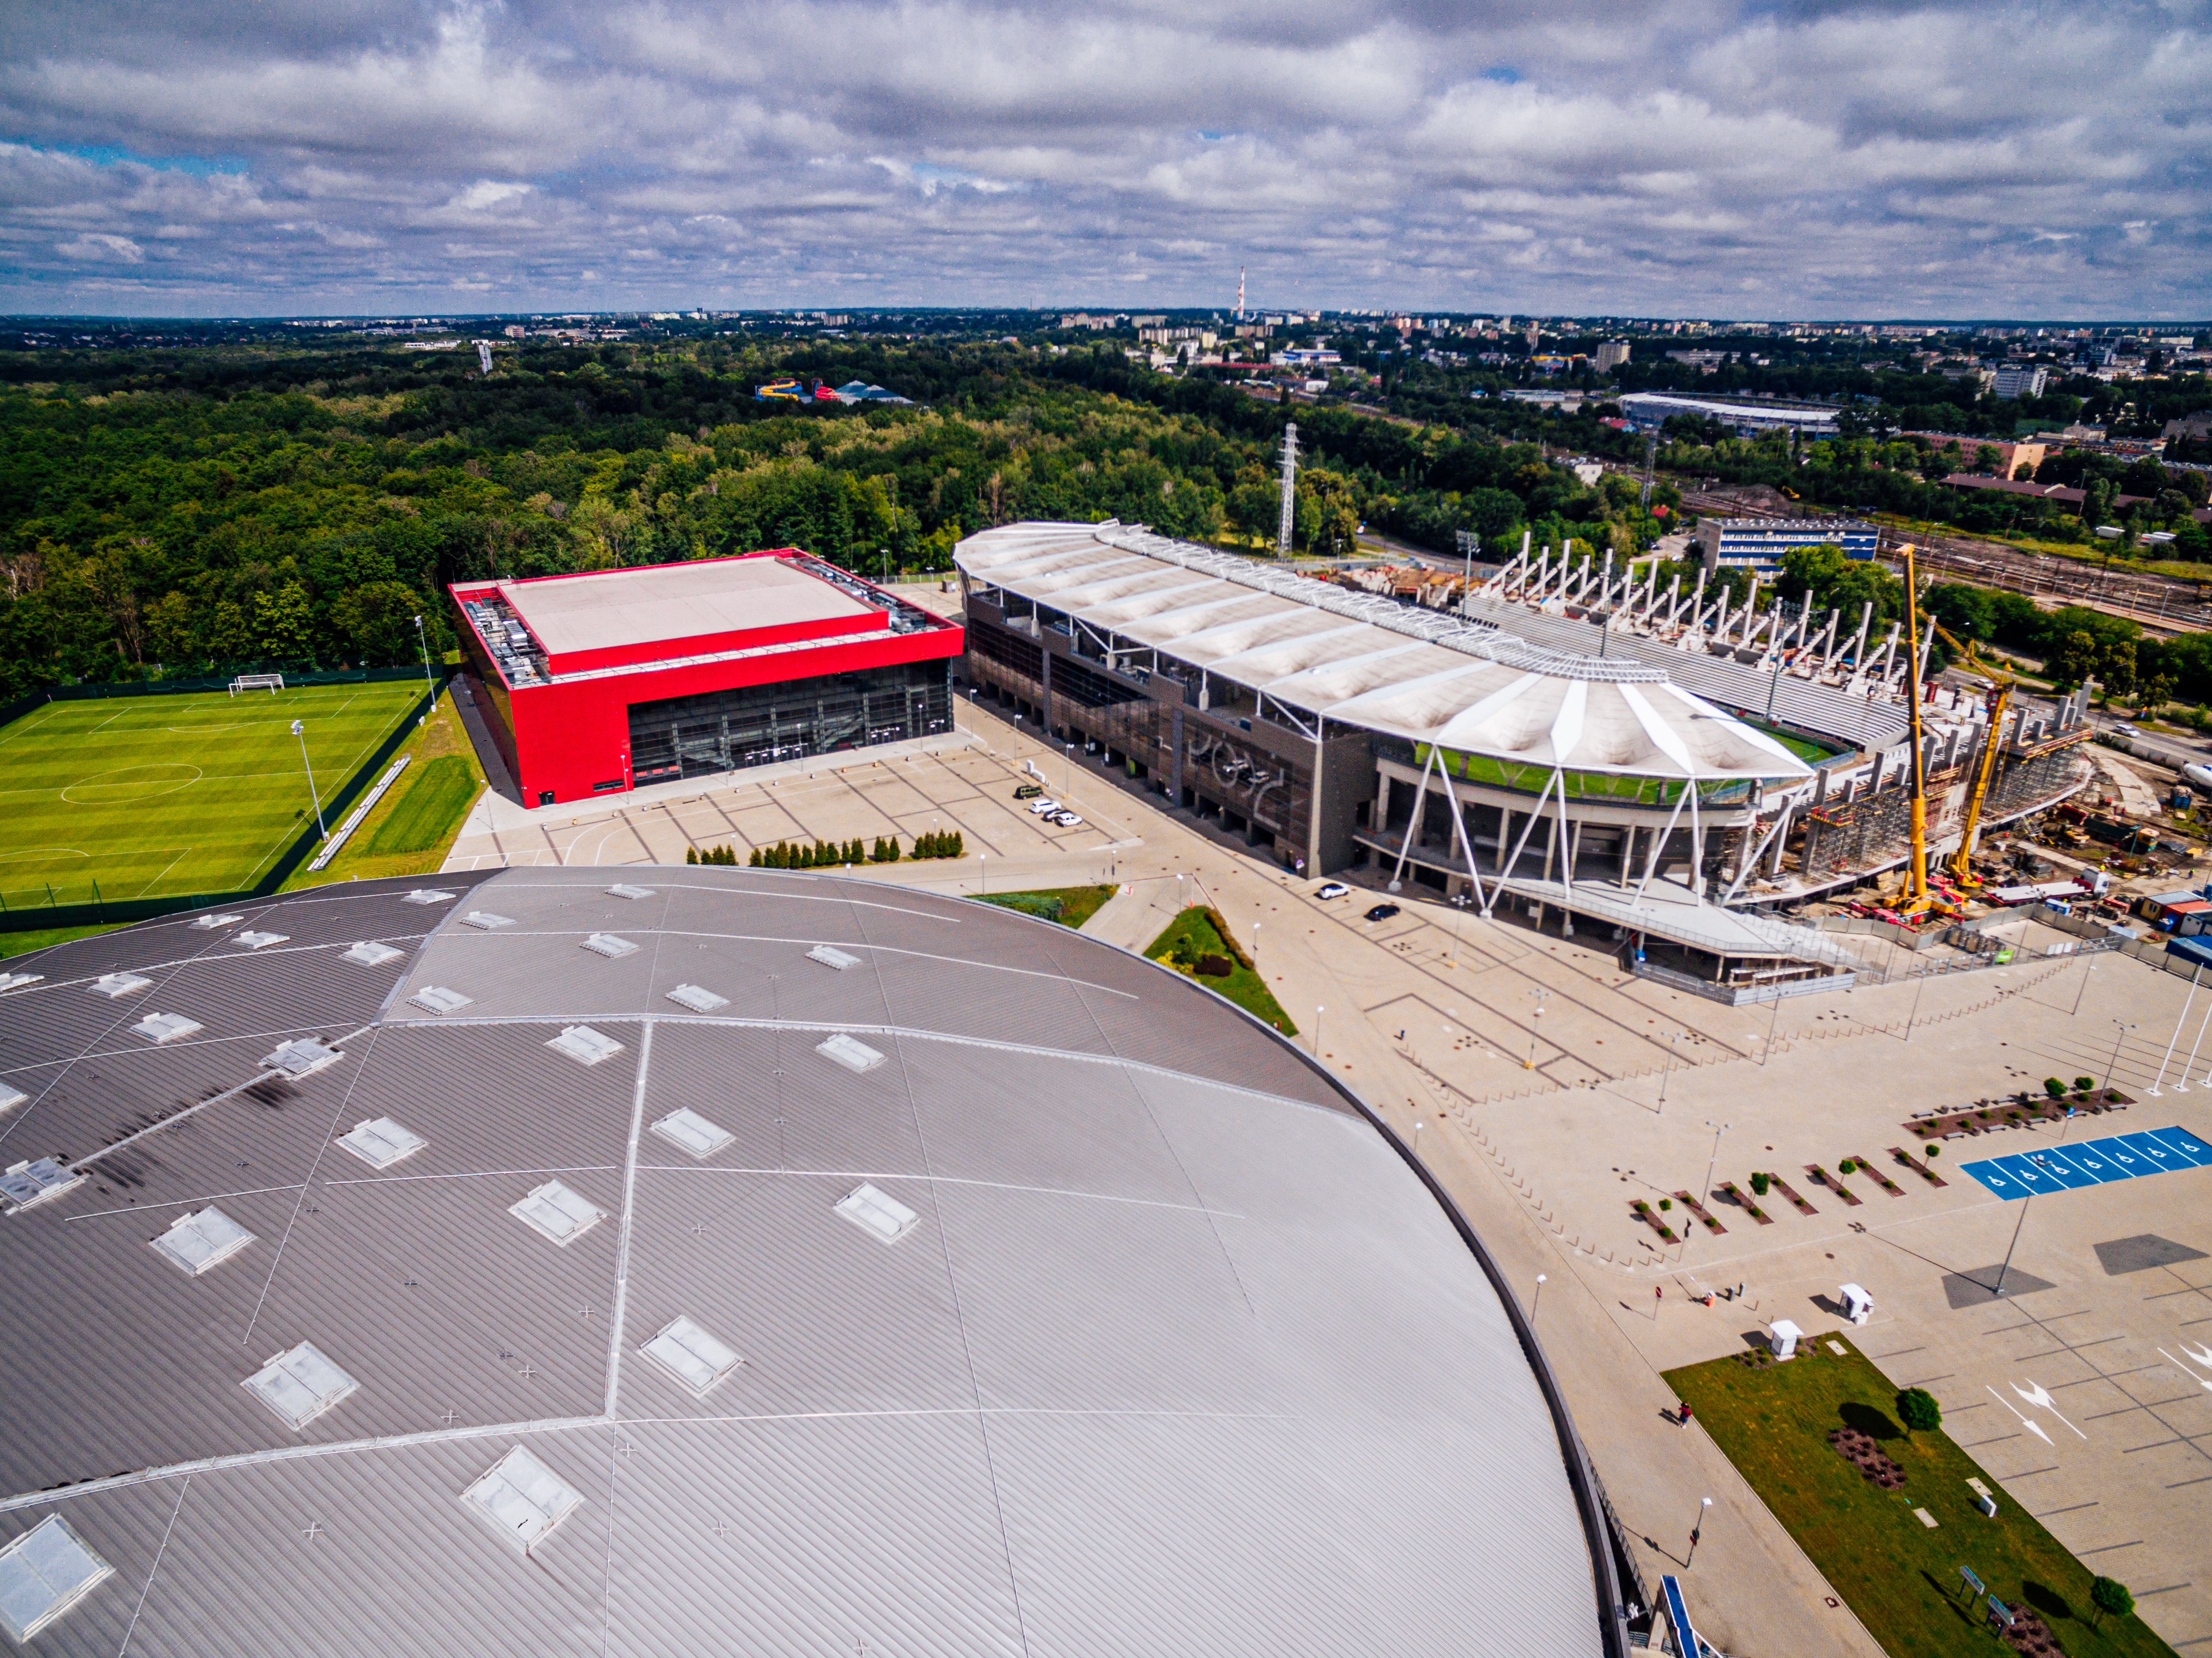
x=1548 y=1089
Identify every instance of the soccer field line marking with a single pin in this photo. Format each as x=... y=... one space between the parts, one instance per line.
x=156 y=881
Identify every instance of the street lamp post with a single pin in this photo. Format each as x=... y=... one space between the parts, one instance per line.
x=422 y=638
x=299 y=731
x=1666 y=1074
x=1540 y=995
x=1719 y=1129
x=2119 y=1036
x=1697 y=1528
x=1539 y=1304
x=1318 y=1010
x=2088 y=968
x=2065 y=1123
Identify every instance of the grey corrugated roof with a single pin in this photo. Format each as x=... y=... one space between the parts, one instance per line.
x=1178 y=1356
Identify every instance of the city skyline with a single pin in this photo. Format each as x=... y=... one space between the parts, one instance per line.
x=1807 y=162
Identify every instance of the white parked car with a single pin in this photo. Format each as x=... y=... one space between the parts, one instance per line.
x=1067 y=820
x=1040 y=808
x=1332 y=889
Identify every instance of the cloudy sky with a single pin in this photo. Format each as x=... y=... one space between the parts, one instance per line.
x=1781 y=159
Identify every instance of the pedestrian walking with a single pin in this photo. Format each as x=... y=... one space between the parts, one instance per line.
x=1685 y=1413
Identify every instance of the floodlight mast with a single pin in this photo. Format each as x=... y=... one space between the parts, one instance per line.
x=1917 y=901
x=299 y=731
x=1290 y=489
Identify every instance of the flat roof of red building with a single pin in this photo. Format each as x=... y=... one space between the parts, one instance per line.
x=620 y=610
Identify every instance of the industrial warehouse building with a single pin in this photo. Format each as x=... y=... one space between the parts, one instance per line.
x=1558 y=743
x=689 y=1261
x=593 y=684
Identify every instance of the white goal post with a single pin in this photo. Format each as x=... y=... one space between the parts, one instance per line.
x=271 y=682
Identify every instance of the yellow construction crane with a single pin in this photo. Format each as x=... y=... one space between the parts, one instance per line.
x=1916 y=899
x=2000 y=698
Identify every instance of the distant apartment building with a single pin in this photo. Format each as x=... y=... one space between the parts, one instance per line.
x=1533 y=333
x=1971 y=373
x=1611 y=355
x=1759 y=543
x=1304 y=356
x=2020 y=381
x=1704 y=361
x=2010 y=456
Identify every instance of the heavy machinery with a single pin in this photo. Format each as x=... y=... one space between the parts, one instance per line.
x=2000 y=699
x=1915 y=901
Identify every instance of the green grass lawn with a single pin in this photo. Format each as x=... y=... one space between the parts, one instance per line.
x=428 y=804
x=1069 y=906
x=1900 y=1577
x=143 y=796
x=1192 y=934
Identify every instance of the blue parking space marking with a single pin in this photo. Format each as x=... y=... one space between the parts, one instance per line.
x=2092 y=1163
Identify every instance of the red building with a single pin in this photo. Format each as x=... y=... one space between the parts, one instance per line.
x=596 y=683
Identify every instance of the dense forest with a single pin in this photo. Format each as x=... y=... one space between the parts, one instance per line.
x=168 y=512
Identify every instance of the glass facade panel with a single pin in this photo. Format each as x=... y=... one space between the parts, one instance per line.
x=760 y=725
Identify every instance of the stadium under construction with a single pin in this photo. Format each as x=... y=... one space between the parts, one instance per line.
x=1679 y=769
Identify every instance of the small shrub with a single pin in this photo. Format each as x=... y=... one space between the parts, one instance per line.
x=1846 y=1166
x=1759 y=1183
x=2084 y=1084
x=2109 y=1594
x=1934 y=1152
x=1917 y=1409
x=2055 y=1086
x=1666 y=1203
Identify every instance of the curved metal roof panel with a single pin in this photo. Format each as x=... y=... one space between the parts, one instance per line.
x=1147 y=1339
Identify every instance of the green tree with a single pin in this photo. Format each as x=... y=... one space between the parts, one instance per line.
x=2109 y=1594
x=2075 y=661
x=1917 y=1409
x=284 y=624
x=376 y=624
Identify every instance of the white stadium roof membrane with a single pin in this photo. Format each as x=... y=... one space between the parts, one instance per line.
x=1088 y=1317
x=1425 y=676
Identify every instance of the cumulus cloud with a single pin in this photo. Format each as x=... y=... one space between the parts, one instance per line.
x=1806 y=157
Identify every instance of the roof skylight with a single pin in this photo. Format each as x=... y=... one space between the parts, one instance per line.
x=585 y=1045
x=195 y=1242
x=379 y=1142
x=17 y=981
x=484 y=921
x=830 y=956
x=606 y=944
x=624 y=889
x=11 y=1096
x=112 y=985
x=210 y=923
x=691 y=1356
x=34 y=1181
x=521 y=1498
x=299 y=1385
x=166 y=1027
x=302 y=1057
x=698 y=1000
x=42 y=1574
x=878 y=1215
x=856 y=1056
x=429 y=895
x=692 y=1132
x=436 y=999
x=369 y=953
x=558 y=1212
x=260 y=940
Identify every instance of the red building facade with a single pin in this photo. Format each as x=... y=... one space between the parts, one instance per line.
x=597 y=683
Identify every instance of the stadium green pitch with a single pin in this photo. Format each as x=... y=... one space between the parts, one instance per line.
x=145 y=797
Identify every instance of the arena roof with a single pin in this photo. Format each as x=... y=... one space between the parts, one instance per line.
x=1366 y=661
x=951 y=1284
x=616 y=609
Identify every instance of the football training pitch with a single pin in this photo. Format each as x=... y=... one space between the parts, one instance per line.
x=145 y=797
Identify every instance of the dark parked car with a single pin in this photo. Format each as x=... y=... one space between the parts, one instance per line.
x=1382 y=911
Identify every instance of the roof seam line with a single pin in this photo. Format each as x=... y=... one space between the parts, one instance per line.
x=856 y=1027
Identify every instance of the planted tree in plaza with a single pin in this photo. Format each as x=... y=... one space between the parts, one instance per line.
x=1917 y=1409
x=2110 y=1595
